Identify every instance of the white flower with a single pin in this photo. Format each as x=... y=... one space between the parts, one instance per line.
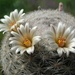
x=9 y=22
x=62 y=39
x=24 y=39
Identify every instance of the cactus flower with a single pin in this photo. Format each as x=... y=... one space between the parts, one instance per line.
x=9 y=22
x=24 y=39
x=62 y=39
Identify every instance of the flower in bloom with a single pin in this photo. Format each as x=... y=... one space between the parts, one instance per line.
x=24 y=39
x=9 y=22
x=62 y=39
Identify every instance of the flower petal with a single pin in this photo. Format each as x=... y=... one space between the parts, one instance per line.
x=71 y=44
x=66 y=51
x=22 y=30
x=14 y=42
x=12 y=38
x=14 y=47
x=58 y=31
x=21 y=16
x=21 y=11
x=18 y=50
x=73 y=40
x=72 y=50
x=27 y=27
x=53 y=31
x=32 y=31
x=66 y=32
x=5 y=21
x=20 y=21
x=30 y=50
x=15 y=15
x=70 y=36
x=22 y=51
x=60 y=51
x=17 y=35
x=12 y=16
x=7 y=17
x=36 y=39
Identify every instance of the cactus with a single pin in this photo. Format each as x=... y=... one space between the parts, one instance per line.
x=44 y=60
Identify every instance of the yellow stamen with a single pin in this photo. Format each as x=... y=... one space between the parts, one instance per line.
x=27 y=43
x=61 y=42
x=12 y=23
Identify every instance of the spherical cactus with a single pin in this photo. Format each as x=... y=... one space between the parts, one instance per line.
x=44 y=60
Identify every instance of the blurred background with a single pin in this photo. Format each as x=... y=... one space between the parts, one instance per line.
x=6 y=6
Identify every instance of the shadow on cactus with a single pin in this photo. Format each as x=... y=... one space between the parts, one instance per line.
x=38 y=43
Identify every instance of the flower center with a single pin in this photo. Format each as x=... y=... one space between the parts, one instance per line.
x=61 y=42
x=12 y=23
x=27 y=43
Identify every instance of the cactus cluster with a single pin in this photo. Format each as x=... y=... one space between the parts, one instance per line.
x=44 y=60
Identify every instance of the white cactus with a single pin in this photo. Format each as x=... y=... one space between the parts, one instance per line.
x=42 y=61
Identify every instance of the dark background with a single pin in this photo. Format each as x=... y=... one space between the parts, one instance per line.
x=6 y=6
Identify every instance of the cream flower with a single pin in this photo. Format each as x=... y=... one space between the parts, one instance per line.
x=9 y=22
x=62 y=39
x=24 y=40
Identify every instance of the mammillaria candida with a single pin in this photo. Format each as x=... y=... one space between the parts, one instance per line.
x=44 y=60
